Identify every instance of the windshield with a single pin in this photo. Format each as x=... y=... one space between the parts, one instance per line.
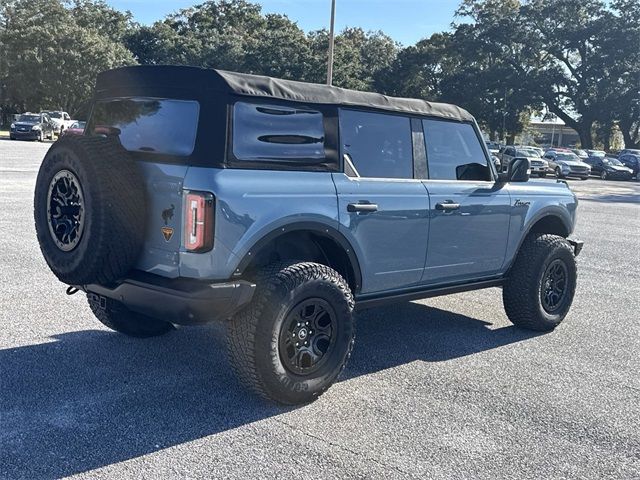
x=581 y=153
x=151 y=125
x=596 y=153
x=567 y=156
x=55 y=114
x=526 y=152
x=78 y=125
x=612 y=161
x=29 y=118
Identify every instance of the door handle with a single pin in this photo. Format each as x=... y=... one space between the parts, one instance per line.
x=362 y=207
x=447 y=206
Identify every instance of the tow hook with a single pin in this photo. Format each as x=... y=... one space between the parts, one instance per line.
x=98 y=300
x=71 y=290
x=577 y=245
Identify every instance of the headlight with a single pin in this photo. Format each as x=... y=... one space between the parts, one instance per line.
x=36 y=127
x=13 y=126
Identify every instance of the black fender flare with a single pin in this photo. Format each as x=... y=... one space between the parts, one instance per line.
x=317 y=228
x=557 y=212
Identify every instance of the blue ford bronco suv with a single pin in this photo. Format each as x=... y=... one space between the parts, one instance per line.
x=281 y=207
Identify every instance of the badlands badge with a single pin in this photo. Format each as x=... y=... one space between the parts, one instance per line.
x=167 y=233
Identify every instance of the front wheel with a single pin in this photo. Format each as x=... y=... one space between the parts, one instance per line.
x=539 y=289
x=294 y=339
x=603 y=175
x=558 y=172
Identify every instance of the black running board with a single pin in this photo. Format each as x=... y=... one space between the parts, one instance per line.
x=376 y=300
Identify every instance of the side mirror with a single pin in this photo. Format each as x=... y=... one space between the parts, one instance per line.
x=519 y=170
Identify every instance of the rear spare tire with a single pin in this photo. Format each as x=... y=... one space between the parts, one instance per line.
x=89 y=210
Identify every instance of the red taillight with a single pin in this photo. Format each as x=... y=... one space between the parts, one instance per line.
x=198 y=222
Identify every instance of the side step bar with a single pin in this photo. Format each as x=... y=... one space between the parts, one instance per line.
x=373 y=300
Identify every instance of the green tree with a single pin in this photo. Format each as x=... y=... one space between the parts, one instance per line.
x=48 y=58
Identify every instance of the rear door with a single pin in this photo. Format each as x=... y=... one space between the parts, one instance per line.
x=469 y=212
x=382 y=208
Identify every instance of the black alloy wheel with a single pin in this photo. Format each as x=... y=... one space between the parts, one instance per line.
x=65 y=210
x=307 y=336
x=554 y=286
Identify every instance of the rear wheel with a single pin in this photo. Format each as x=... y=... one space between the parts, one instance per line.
x=116 y=316
x=541 y=283
x=294 y=339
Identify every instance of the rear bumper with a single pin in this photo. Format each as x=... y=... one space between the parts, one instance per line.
x=181 y=301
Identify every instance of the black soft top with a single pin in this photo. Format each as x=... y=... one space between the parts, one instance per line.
x=194 y=82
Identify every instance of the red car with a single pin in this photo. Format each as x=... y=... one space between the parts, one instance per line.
x=76 y=128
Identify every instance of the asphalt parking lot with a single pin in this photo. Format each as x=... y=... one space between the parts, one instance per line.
x=443 y=388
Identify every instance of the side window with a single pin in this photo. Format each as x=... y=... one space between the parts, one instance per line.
x=376 y=144
x=454 y=151
x=275 y=132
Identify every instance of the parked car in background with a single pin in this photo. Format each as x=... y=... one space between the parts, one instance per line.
x=32 y=126
x=76 y=128
x=580 y=153
x=61 y=120
x=626 y=151
x=538 y=165
x=538 y=150
x=565 y=163
x=596 y=153
x=608 y=168
x=632 y=161
x=494 y=147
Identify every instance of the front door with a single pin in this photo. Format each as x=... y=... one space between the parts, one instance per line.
x=469 y=212
x=382 y=208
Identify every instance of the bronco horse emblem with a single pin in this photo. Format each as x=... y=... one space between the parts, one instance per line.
x=167 y=214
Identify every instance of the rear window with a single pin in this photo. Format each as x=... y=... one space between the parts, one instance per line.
x=149 y=125
x=277 y=133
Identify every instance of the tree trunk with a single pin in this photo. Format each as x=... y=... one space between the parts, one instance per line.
x=584 y=131
x=629 y=141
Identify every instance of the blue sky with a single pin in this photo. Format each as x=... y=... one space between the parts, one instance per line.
x=406 y=21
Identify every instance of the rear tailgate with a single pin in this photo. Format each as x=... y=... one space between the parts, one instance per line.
x=163 y=239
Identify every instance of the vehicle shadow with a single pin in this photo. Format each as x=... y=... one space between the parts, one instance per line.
x=92 y=398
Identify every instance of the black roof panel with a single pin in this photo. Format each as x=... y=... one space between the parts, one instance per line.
x=197 y=82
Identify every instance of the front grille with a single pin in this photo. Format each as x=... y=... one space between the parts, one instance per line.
x=579 y=169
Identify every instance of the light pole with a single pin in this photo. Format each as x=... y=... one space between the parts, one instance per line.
x=331 y=41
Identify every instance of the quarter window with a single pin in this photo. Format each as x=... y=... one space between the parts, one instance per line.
x=377 y=144
x=277 y=133
x=454 y=151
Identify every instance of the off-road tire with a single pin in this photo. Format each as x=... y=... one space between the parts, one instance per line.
x=253 y=335
x=521 y=292
x=114 y=222
x=119 y=318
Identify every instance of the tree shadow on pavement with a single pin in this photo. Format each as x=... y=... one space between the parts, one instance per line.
x=92 y=398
